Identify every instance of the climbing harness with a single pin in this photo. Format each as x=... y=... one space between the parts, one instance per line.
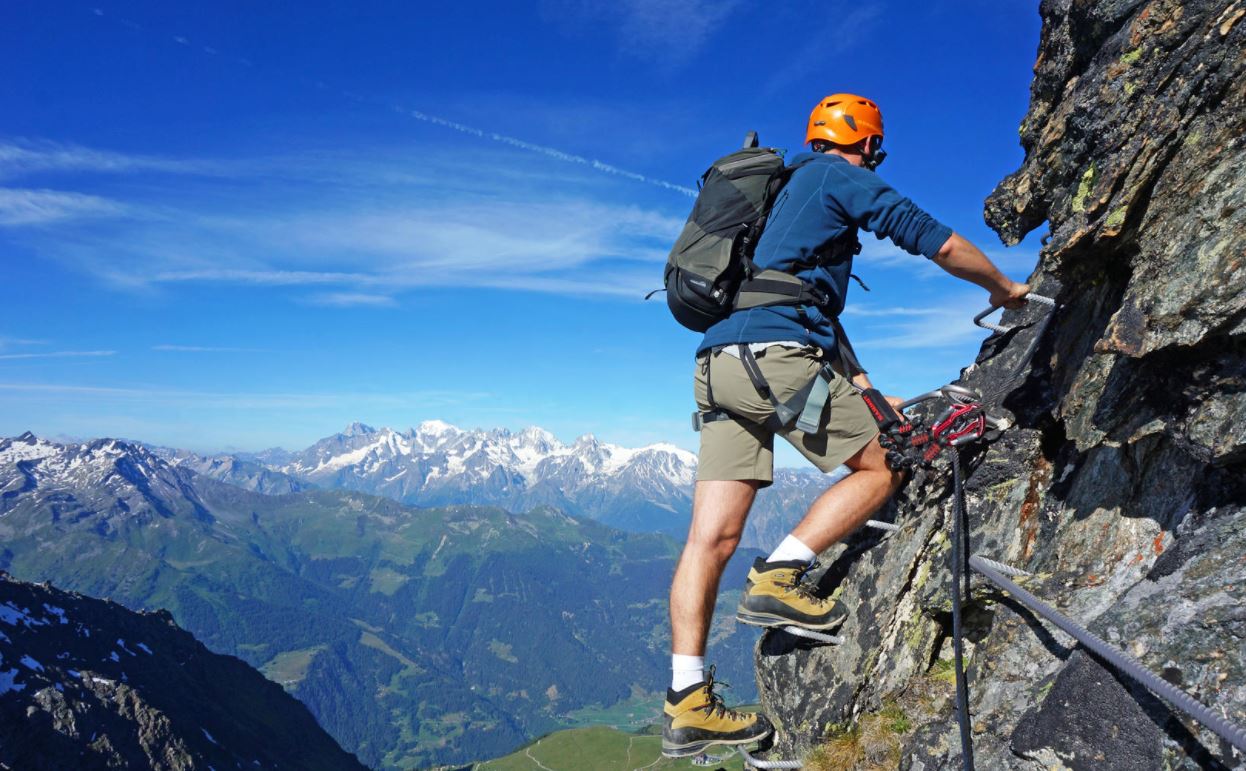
x=802 y=409
x=911 y=444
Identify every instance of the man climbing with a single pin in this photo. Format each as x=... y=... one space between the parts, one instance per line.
x=760 y=357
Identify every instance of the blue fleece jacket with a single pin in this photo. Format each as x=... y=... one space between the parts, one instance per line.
x=826 y=198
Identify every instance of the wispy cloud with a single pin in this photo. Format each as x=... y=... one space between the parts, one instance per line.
x=884 y=254
x=19 y=157
x=41 y=207
x=525 y=241
x=934 y=327
x=56 y=355
x=664 y=32
x=835 y=36
x=364 y=239
x=353 y=300
x=6 y=342
x=264 y=277
x=203 y=349
x=674 y=29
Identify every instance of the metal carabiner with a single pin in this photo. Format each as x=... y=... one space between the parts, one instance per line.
x=957 y=394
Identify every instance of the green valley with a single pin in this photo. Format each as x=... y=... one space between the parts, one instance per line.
x=415 y=636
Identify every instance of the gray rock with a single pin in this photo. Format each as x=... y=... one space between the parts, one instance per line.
x=1122 y=485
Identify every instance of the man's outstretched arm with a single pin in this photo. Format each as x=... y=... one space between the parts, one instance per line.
x=966 y=261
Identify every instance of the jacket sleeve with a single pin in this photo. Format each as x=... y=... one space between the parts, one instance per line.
x=864 y=198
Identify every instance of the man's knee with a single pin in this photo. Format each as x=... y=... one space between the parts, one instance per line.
x=720 y=509
x=715 y=544
x=872 y=457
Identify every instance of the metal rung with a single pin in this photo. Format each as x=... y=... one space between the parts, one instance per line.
x=800 y=631
x=752 y=762
x=1031 y=297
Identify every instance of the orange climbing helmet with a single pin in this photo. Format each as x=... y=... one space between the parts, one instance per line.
x=845 y=119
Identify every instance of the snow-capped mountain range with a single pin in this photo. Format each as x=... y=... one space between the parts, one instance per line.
x=646 y=489
x=437 y=464
x=112 y=479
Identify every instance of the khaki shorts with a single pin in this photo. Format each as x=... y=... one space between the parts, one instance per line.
x=741 y=448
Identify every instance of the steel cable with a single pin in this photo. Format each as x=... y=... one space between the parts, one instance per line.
x=1118 y=658
x=959 y=575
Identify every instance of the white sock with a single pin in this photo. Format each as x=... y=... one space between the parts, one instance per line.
x=686 y=671
x=790 y=550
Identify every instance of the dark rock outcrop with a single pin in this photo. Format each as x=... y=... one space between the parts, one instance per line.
x=1123 y=483
x=85 y=683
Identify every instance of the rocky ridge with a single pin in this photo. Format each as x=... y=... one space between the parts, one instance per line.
x=85 y=683
x=1121 y=485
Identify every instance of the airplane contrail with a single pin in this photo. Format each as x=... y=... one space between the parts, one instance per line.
x=550 y=152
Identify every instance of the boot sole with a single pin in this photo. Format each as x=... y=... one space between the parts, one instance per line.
x=769 y=620
x=670 y=750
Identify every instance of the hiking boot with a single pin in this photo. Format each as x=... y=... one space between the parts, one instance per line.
x=696 y=719
x=776 y=596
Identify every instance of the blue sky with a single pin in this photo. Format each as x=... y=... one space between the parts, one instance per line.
x=242 y=225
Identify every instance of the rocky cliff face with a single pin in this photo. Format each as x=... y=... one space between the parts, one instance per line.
x=1122 y=484
x=85 y=683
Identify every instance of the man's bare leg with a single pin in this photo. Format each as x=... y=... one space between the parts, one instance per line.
x=848 y=503
x=694 y=716
x=719 y=509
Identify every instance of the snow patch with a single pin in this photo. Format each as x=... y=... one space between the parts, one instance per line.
x=11 y=614
x=346 y=459
x=207 y=735
x=30 y=663
x=19 y=451
x=143 y=647
x=8 y=682
x=56 y=611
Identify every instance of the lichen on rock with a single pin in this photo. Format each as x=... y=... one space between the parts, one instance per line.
x=1123 y=484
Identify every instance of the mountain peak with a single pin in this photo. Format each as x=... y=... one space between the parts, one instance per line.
x=436 y=428
x=537 y=434
x=27 y=438
x=358 y=429
x=678 y=452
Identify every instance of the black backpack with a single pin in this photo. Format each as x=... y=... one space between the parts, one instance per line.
x=710 y=270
